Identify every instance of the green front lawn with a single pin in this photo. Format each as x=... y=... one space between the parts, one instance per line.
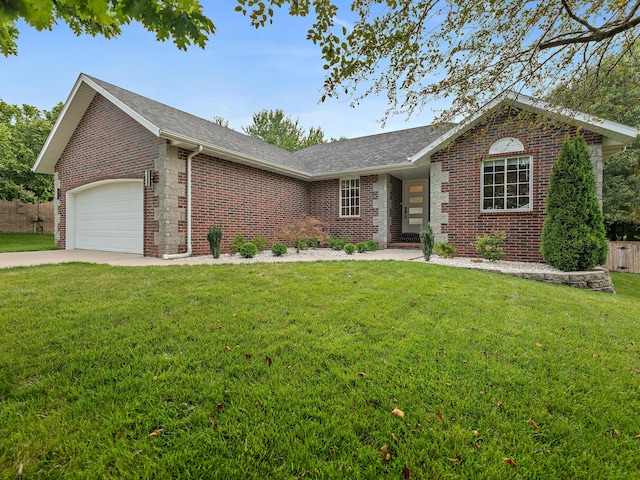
x=25 y=242
x=292 y=371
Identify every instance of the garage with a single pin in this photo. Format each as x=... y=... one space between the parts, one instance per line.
x=106 y=216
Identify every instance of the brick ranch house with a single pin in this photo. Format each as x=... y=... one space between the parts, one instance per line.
x=134 y=175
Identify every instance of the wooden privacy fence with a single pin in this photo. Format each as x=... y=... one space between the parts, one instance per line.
x=623 y=257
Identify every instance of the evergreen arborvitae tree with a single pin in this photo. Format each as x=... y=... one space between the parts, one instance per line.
x=573 y=236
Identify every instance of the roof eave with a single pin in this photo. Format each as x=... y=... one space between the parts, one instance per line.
x=363 y=171
x=226 y=154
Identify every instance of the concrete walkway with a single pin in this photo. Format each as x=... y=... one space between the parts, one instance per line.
x=27 y=259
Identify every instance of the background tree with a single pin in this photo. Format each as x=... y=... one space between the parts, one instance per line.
x=182 y=21
x=23 y=131
x=276 y=128
x=615 y=96
x=573 y=236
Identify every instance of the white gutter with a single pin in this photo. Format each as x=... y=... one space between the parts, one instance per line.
x=189 y=246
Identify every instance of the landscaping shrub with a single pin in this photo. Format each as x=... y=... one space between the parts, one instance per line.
x=214 y=237
x=313 y=242
x=308 y=227
x=427 y=241
x=444 y=249
x=489 y=245
x=349 y=248
x=573 y=235
x=248 y=250
x=372 y=245
x=336 y=243
x=260 y=242
x=238 y=242
x=278 y=249
x=301 y=245
x=361 y=247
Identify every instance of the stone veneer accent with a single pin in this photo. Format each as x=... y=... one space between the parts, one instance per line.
x=383 y=204
x=597 y=280
x=438 y=199
x=169 y=213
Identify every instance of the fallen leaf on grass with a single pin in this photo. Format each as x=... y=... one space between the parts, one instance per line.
x=439 y=415
x=638 y=437
x=268 y=360
x=538 y=344
x=384 y=448
x=406 y=471
x=220 y=406
x=156 y=433
x=384 y=360
x=466 y=362
x=509 y=461
x=533 y=423
x=362 y=374
x=387 y=457
x=214 y=424
x=155 y=378
x=635 y=370
x=394 y=400
x=393 y=435
x=454 y=460
x=499 y=405
x=397 y=412
x=615 y=433
x=478 y=447
x=228 y=349
x=476 y=433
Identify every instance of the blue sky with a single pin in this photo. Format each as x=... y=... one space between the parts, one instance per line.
x=241 y=71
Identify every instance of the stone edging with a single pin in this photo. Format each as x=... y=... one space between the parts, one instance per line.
x=597 y=280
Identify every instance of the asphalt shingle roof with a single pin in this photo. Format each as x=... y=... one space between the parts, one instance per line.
x=385 y=149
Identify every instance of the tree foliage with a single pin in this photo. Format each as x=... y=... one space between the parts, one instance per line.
x=180 y=20
x=23 y=131
x=615 y=96
x=469 y=50
x=276 y=128
x=573 y=236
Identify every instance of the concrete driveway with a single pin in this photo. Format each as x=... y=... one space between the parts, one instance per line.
x=27 y=259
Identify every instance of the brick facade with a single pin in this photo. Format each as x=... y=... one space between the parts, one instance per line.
x=246 y=201
x=324 y=202
x=462 y=163
x=18 y=217
x=106 y=145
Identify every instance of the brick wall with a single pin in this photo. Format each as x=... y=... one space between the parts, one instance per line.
x=108 y=144
x=18 y=217
x=462 y=161
x=244 y=200
x=324 y=202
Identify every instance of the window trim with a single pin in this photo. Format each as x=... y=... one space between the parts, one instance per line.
x=350 y=198
x=506 y=158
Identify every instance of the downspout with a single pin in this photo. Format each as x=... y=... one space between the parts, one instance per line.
x=189 y=246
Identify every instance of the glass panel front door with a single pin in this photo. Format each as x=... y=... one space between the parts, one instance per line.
x=415 y=205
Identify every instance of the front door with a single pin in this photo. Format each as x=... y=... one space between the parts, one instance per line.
x=415 y=205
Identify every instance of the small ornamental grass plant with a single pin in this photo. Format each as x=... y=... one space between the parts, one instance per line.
x=445 y=250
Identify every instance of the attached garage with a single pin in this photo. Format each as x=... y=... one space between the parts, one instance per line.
x=106 y=216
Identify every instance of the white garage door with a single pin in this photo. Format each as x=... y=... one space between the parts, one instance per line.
x=108 y=217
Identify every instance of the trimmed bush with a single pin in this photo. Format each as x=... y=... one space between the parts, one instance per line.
x=260 y=242
x=427 y=241
x=361 y=247
x=444 y=249
x=336 y=243
x=372 y=245
x=248 y=250
x=489 y=245
x=278 y=249
x=313 y=243
x=238 y=242
x=350 y=248
x=573 y=236
x=214 y=237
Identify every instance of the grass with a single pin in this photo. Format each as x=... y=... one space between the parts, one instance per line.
x=25 y=242
x=489 y=370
